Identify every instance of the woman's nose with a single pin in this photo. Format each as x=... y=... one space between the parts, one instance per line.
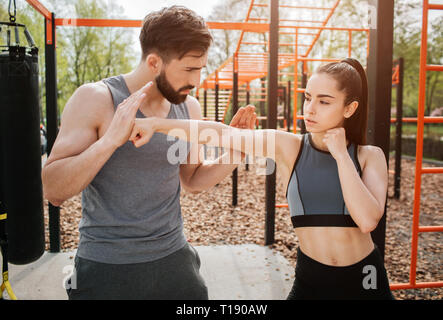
x=308 y=107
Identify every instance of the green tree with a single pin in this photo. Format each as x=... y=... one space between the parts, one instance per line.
x=83 y=54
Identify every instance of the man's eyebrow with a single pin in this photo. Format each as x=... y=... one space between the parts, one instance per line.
x=196 y=68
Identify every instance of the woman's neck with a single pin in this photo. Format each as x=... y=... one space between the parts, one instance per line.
x=317 y=139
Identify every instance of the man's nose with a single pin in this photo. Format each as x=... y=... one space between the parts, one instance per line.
x=195 y=80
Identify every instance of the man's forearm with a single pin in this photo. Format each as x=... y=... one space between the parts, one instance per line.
x=64 y=178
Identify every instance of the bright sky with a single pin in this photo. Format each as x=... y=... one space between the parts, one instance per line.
x=138 y=9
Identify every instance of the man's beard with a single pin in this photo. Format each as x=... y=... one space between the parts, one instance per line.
x=168 y=91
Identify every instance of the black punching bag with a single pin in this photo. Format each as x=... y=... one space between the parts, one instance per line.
x=20 y=170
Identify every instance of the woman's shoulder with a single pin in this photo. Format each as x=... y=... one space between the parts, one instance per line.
x=369 y=154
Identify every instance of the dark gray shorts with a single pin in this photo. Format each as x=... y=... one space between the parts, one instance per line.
x=175 y=277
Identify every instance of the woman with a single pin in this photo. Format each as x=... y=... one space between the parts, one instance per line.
x=336 y=185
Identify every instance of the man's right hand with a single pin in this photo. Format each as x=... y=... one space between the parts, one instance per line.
x=122 y=124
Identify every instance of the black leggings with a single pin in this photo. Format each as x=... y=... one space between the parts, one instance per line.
x=364 y=280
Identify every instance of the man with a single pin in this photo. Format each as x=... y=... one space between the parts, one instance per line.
x=132 y=244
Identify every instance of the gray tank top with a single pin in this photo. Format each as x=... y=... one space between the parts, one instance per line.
x=131 y=210
x=314 y=192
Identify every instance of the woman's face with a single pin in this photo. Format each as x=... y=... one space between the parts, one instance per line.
x=324 y=107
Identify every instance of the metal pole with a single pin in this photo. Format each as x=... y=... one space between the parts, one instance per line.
x=398 y=132
x=248 y=100
x=380 y=87
x=304 y=81
x=205 y=103
x=288 y=115
x=52 y=121
x=216 y=109
x=234 y=111
x=272 y=119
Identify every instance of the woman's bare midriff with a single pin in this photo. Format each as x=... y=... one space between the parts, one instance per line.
x=335 y=246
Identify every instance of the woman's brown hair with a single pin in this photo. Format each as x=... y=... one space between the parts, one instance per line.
x=351 y=78
x=173 y=32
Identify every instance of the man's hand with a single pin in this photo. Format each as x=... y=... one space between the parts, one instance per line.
x=123 y=122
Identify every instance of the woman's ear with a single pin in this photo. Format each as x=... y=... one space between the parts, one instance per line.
x=350 y=109
x=154 y=63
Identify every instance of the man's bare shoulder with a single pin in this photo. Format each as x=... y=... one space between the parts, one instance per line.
x=91 y=100
x=94 y=94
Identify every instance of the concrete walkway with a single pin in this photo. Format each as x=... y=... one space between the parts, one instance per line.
x=243 y=272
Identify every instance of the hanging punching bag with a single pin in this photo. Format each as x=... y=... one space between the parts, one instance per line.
x=20 y=170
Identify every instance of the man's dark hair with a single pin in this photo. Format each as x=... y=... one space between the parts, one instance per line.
x=173 y=32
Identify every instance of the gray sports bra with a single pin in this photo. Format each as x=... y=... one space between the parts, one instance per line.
x=314 y=192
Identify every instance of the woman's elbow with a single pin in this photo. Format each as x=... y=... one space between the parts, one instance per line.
x=369 y=225
x=367 y=228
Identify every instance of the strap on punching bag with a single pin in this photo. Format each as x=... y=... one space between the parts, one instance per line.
x=4 y=249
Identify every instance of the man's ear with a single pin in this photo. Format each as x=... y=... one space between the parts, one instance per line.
x=154 y=63
x=350 y=109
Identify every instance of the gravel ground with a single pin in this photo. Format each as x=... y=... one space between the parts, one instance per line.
x=210 y=219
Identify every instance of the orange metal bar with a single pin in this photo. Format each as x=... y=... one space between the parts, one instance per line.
x=435 y=6
x=433 y=67
x=40 y=8
x=287 y=20
x=68 y=22
x=430 y=229
x=323 y=25
x=431 y=170
x=419 y=285
x=264 y=5
x=246 y=27
x=419 y=146
x=325 y=28
x=425 y=120
x=251 y=5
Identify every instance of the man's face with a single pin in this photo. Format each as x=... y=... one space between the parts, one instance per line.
x=179 y=77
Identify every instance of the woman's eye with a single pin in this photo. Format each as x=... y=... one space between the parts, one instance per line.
x=324 y=102
x=307 y=98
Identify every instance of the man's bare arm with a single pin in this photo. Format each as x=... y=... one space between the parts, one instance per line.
x=78 y=153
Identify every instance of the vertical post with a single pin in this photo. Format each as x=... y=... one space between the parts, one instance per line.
x=288 y=115
x=380 y=87
x=272 y=97
x=398 y=130
x=234 y=111
x=216 y=106
x=52 y=121
x=216 y=101
x=304 y=81
x=262 y=103
x=248 y=101
x=205 y=113
x=295 y=80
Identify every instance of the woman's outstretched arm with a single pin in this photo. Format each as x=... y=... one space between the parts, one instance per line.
x=260 y=143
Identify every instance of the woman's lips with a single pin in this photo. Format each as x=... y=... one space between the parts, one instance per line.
x=308 y=121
